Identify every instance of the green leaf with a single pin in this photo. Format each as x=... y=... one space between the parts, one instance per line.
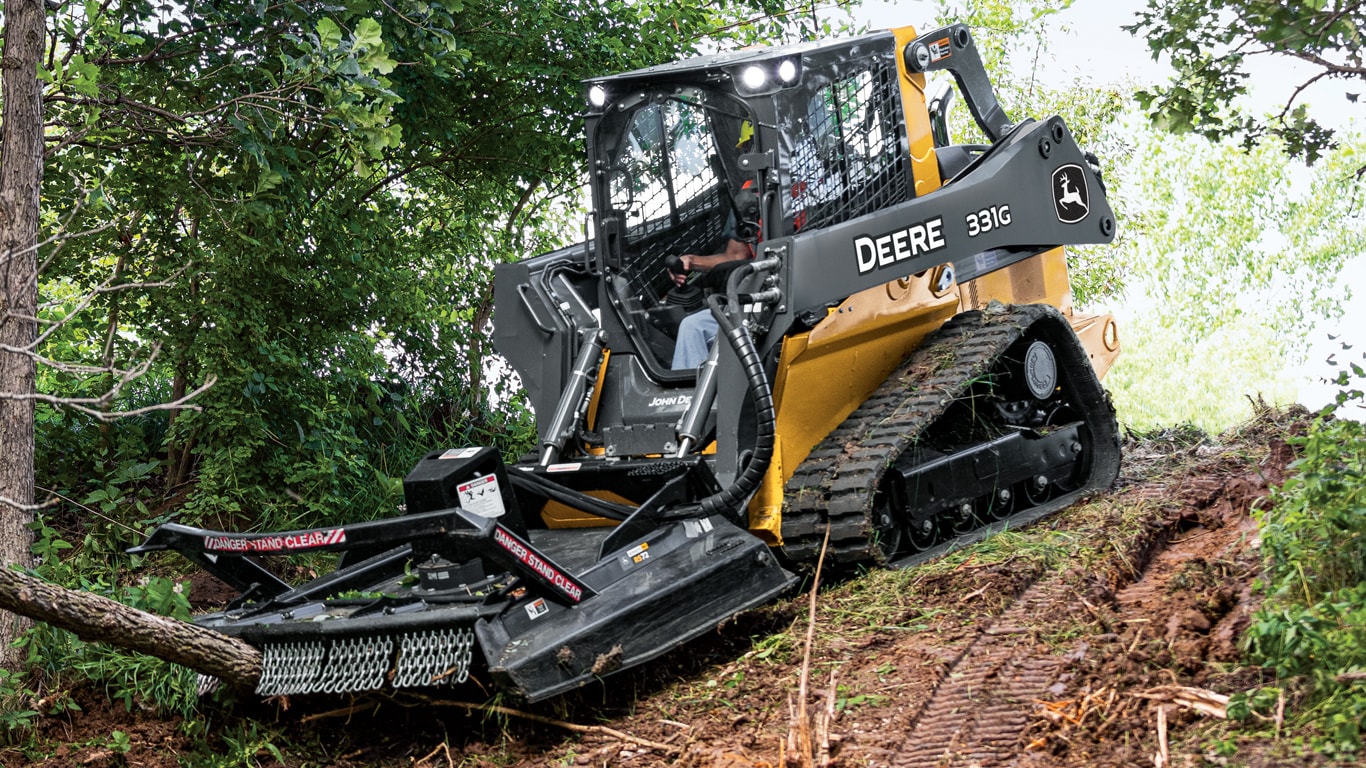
x=377 y=60
x=329 y=34
x=369 y=34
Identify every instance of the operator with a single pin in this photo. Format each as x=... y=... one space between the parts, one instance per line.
x=698 y=330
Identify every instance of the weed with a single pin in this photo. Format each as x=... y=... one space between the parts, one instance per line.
x=844 y=701
x=735 y=680
x=127 y=677
x=776 y=648
x=1259 y=702
x=118 y=743
x=245 y=745
x=16 y=700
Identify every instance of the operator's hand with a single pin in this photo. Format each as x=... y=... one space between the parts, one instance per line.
x=686 y=263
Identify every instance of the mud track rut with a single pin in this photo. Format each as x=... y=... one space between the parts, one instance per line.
x=987 y=700
x=957 y=676
x=982 y=705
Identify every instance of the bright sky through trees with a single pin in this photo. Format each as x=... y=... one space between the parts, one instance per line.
x=1091 y=46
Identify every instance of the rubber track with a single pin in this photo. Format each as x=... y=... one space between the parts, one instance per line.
x=840 y=476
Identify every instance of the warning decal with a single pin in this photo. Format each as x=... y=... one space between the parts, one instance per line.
x=481 y=496
x=537 y=608
x=552 y=575
x=285 y=543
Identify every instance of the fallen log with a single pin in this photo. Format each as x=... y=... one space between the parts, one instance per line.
x=98 y=619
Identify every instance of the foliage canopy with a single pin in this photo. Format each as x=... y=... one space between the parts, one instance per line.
x=1211 y=42
x=303 y=204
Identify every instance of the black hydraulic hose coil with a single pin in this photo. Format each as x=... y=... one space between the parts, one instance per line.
x=747 y=481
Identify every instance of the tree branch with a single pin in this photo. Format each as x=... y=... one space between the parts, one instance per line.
x=82 y=404
x=1296 y=94
x=98 y=619
x=6 y=501
x=496 y=709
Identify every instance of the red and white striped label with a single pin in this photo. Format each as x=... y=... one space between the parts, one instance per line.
x=287 y=543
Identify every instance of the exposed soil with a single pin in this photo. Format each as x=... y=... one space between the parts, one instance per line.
x=1059 y=645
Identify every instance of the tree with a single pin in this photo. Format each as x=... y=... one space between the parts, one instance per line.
x=1237 y=252
x=303 y=204
x=309 y=203
x=1210 y=43
x=342 y=182
x=21 y=170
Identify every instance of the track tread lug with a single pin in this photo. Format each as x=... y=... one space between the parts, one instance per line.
x=836 y=483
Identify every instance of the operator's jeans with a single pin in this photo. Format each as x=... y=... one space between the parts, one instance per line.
x=696 y=334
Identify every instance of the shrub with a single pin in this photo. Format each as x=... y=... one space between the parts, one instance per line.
x=1312 y=624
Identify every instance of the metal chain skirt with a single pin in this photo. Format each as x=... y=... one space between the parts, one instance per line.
x=354 y=664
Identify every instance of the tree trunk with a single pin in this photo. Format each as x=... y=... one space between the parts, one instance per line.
x=101 y=620
x=179 y=448
x=91 y=617
x=21 y=173
x=179 y=386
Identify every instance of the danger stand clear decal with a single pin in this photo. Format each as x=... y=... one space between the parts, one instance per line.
x=286 y=543
x=553 y=576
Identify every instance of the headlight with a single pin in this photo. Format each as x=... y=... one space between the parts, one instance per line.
x=763 y=77
x=597 y=96
x=753 y=77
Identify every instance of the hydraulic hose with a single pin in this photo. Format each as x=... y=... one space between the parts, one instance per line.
x=548 y=489
x=747 y=481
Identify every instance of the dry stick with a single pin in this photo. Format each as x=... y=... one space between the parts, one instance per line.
x=1164 y=757
x=354 y=709
x=823 y=721
x=439 y=747
x=1201 y=700
x=1280 y=714
x=788 y=746
x=1114 y=716
x=601 y=730
x=803 y=725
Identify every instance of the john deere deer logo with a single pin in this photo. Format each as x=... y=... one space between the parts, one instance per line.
x=1070 y=197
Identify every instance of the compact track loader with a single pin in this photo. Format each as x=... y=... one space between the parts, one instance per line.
x=897 y=365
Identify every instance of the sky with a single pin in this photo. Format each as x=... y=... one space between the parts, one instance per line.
x=1092 y=46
